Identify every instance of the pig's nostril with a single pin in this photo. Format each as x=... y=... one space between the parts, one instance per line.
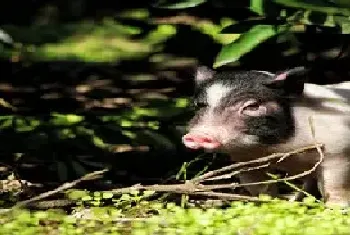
x=207 y=140
x=200 y=141
x=198 y=138
x=189 y=139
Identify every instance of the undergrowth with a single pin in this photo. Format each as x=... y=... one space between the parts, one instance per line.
x=130 y=215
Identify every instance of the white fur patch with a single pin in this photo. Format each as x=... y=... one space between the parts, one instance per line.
x=215 y=93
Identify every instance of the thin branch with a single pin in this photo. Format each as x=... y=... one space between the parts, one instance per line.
x=228 y=196
x=290 y=177
x=187 y=188
x=319 y=150
x=229 y=175
x=259 y=160
x=65 y=186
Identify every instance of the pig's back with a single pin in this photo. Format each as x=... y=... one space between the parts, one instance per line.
x=328 y=108
x=334 y=98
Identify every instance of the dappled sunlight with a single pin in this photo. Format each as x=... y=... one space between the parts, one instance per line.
x=95 y=98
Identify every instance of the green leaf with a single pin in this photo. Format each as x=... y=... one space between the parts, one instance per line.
x=66 y=119
x=244 y=26
x=171 y=4
x=314 y=5
x=346 y=29
x=257 y=6
x=107 y=195
x=76 y=194
x=233 y=51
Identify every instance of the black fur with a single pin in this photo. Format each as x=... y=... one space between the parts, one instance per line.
x=272 y=129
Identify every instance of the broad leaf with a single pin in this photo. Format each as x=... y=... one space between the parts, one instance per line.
x=265 y=8
x=257 y=6
x=176 y=4
x=244 y=26
x=247 y=41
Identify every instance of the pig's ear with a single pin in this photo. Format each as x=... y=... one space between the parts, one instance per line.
x=281 y=80
x=277 y=81
x=203 y=74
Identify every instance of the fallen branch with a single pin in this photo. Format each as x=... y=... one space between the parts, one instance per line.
x=187 y=188
x=195 y=186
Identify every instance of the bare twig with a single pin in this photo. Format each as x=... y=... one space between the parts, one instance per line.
x=290 y=177
x=227 y=176
x=188 y=188
x=319 y=150
x=259 y=160
x=194 y=186
x=65 y=186
x=228 y=196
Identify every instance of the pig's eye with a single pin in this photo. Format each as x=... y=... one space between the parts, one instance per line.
x=252 y=108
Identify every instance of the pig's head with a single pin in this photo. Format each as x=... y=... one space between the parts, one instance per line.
x=239 y=109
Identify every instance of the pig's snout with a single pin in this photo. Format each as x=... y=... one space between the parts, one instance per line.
x=196 y=141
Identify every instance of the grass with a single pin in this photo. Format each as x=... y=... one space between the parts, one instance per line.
x=272 y=217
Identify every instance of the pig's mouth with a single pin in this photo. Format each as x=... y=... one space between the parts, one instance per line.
x=207 y=142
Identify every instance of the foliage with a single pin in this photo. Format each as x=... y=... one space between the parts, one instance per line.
x=271 y=217
x=135 y=125
x=109 y=41
x=112 y=40
x=274 y=19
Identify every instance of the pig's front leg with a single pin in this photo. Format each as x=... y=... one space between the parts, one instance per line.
x=334 y=180
x=258 y=176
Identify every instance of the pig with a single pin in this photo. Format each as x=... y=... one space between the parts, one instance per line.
x=251 y=114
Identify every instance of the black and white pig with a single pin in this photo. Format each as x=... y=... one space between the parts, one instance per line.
x=250 y=114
